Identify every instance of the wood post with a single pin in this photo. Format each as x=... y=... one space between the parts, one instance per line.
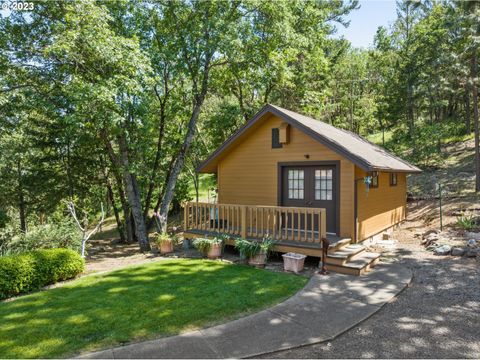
x=185 y=216
x=243 y=217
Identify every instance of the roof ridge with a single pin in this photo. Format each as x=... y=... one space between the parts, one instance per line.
x=358 y=136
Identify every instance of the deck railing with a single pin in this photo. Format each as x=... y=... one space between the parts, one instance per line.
x=304 y=225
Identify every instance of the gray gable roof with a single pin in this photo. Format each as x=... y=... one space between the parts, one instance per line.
x=355 y=148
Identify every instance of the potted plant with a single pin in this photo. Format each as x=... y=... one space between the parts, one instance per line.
x=212 y=248
x=165 y=242
x=256 y=252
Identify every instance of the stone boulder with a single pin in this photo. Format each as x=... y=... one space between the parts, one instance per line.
x=472 y=243
x=442 y=250
x=457 y=251
x=471 y=252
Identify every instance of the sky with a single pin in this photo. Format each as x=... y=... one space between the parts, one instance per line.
x=365 y=21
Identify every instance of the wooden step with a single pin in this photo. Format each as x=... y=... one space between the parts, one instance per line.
x=358 y=265
x=339 y=244
x=344 y=254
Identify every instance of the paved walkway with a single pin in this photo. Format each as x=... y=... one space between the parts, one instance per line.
x=325 y=308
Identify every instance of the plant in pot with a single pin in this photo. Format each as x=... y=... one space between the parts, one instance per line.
x=212 y=248
x=256 y=252
x=165 y=242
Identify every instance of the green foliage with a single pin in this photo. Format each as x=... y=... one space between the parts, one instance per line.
x=49 y=236
x=467 y=221
x=163 y=238
x=204 y=244
x=251 y=248
x=33 y=270
x=4 y=219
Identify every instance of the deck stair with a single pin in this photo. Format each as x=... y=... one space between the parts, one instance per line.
x=351 y=259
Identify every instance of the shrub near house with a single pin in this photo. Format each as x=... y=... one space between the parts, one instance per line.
x=35 y=269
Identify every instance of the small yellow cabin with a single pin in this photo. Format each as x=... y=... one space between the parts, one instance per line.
x=299 y=181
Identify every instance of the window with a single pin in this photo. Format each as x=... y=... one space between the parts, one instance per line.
x=374 y=183
x=295 y=184
x=276 y=139
x=393 y=179
x=323 y=184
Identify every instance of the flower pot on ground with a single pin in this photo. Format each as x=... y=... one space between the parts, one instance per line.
x=212 y=248
x=259 y=260
x=256 y=252
x=293 y=262
x=165 y=243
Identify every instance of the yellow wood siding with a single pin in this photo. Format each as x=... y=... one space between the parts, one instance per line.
x=248 y=174
x=382 y=207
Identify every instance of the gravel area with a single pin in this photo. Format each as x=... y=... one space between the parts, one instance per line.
x=438 y=316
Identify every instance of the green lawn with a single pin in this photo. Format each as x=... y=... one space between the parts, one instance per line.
x=136 y=303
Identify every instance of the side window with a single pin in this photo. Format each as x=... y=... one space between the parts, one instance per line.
x=374 y=183
x=393 y=179
x=323 y=184
x=296 y=182
x=276 y=139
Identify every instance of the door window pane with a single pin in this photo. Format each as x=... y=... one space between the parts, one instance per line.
x=323 y=184
x=295 y=184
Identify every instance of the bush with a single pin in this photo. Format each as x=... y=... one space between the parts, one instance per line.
x=250 y=249
x=35 y=269
x=49 y=236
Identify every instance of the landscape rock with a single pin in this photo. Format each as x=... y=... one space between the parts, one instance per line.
x=429 y=239
x=472 y=243
x=442 y=250
x=471 y=252
x=457 y=251
x=429 y=232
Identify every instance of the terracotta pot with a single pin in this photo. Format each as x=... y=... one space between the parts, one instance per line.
x=166 y=247
x=215 y=251
x=258 y=260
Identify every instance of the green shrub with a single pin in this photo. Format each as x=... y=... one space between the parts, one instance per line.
x=467 y=221
x=35 y=269
x=250 y=249
x=49 y=236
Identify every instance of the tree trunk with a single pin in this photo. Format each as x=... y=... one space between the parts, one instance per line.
x=474 y=75
x=178 y=165
x=116 y=167
x=111 y=200
x=21 y=199
x=410 y=115
x=133 y=196
x=468 y=125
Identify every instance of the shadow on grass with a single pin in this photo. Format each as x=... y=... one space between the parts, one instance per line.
x=135 y=303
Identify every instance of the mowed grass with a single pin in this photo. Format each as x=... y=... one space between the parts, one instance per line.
x=136 y=303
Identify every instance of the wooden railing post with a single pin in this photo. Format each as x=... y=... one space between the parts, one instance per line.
x=243 y=217
x=185 y=216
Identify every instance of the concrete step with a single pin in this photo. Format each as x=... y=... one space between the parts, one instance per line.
x=358 y=265
x=344 y=254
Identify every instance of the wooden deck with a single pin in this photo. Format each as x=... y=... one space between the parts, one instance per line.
x=292 y=228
